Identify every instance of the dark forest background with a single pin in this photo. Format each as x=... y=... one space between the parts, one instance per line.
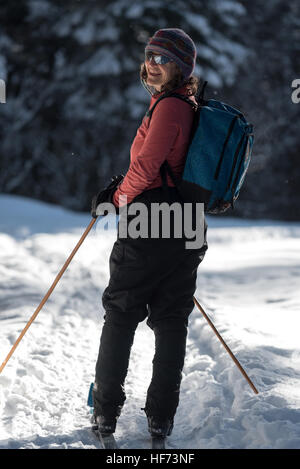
x=74 y=99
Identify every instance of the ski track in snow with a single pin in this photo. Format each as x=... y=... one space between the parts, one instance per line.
x=248 y=284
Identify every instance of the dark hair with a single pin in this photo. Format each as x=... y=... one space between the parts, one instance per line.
x=192 y=83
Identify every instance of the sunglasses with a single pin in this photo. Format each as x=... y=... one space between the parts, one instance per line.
x=158 y=59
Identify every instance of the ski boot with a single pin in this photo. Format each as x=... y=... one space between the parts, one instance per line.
x=159 y=429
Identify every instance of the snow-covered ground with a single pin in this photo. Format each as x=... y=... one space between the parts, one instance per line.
x=248 y=283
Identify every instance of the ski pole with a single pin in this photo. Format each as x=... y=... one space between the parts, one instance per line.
x=57 y=278
x=226 y=346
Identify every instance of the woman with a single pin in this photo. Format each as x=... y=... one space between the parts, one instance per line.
x=153 y=278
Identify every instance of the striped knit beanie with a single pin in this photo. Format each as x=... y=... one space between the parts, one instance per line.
x=177 y=45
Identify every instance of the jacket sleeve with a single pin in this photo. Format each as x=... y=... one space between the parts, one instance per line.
x=161 y=136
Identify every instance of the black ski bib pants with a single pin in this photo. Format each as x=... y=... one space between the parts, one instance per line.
x=153 y=279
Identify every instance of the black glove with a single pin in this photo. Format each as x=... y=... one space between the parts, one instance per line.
x=106 y=195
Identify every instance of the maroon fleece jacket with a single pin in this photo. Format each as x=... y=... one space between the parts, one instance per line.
x=166 y=138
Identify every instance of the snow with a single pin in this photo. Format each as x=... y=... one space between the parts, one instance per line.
x=248 y=284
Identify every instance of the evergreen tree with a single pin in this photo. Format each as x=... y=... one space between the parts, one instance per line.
x=263 y=90
x=74 y=100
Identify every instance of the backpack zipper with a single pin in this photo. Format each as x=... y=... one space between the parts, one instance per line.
x=224 y=147
x=237 y=151
x=247 y=148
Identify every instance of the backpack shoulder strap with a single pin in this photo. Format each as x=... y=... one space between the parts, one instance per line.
x=170 y=95
x=165 y=167
x=199 y=98
x=200 y=94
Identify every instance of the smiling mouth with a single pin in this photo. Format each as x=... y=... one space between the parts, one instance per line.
x=154 y=74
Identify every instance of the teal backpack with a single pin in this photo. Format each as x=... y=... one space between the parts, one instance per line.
x=218 y=155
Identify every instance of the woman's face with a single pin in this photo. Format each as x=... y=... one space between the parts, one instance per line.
x=158 y=75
